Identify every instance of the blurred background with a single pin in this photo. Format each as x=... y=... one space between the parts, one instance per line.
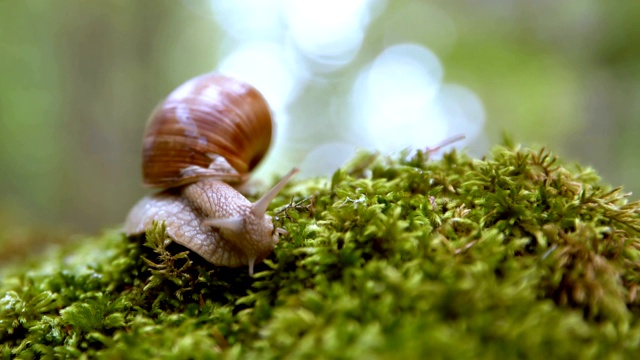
x=78 y=80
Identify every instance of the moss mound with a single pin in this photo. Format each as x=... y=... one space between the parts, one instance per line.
x=509 y=257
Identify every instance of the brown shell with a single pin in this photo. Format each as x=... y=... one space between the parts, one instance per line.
x=207 y=116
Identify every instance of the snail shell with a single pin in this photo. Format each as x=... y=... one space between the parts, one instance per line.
x=211 y=126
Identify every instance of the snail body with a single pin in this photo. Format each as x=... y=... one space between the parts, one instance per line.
x=213 y=219
x=199 y=143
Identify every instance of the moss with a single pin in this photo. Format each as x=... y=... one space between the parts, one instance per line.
x=516 y=256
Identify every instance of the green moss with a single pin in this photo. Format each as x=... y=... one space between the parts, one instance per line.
x=516 y=256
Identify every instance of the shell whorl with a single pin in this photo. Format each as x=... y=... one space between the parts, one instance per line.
x=207 y=117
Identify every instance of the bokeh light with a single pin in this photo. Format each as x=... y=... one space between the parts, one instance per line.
x=326 y=157
x=397 y=101
x=328 y=32
x=394 y=99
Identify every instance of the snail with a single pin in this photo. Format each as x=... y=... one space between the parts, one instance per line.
x=199 y=143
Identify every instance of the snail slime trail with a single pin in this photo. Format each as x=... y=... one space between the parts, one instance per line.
x=200 y=142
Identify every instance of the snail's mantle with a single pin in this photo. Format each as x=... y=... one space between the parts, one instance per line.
x=513 y=256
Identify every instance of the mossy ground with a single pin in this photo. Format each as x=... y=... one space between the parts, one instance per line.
x=515 y=256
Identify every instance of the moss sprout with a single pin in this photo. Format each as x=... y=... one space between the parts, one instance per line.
x=514 y=256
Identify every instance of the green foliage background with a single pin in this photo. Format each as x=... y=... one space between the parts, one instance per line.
x=516 y=256
x=79 y=78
